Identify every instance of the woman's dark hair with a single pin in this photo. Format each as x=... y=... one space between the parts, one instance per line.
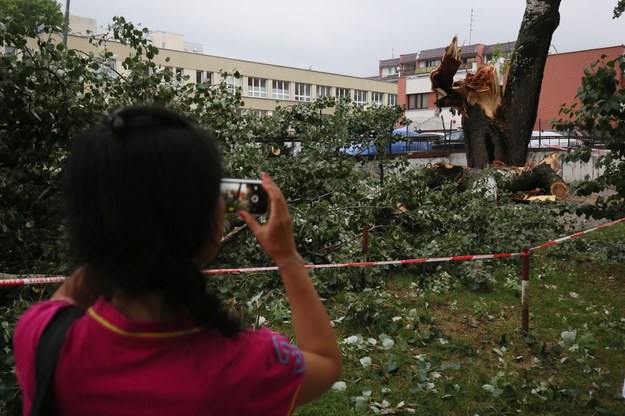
x=142 y=194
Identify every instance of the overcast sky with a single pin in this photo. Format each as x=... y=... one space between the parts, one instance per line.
x=350 y=36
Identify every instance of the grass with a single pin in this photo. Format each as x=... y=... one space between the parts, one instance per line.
x=455 y=351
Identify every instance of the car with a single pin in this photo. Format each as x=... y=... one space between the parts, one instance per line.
x=412 y=142
x=395 y=147
x=553 y=139
x=451 y=140
x=589 y=140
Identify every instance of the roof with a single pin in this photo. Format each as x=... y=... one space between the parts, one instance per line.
x=468 y=50
x=436 y=53
x=389 y=62
x=408 y=58
x=503 y=47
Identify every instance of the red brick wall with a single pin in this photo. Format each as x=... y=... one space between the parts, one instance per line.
x=562 y=78
x=432 y=99
x=402 y=98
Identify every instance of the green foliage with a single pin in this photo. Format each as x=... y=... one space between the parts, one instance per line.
x=408 y=350
x=601 y=111
x=35 y=15
x=619 y=8
x=48 y=93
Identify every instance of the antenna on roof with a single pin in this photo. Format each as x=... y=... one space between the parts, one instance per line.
x=471 y=26
x=393 y=53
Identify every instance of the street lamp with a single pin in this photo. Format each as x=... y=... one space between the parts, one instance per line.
x=66 y=25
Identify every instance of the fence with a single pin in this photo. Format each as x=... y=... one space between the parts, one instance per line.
x=525 y=255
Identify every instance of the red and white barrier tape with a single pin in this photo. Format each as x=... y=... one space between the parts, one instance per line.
x=58 y=279
x=32 y=280
x=368 y=263
x=572 y=236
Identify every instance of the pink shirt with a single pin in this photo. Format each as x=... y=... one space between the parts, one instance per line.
x=113 y=365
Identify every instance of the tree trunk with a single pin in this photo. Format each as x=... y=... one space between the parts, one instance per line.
x=519 y=106
x=541 y=180
x=499 y=127
x=485 y=141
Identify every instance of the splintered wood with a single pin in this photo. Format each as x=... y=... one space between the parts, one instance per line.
x=481 y=88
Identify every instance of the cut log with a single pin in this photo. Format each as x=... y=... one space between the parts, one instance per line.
x=552 y=160
x=540 y=177
x=523 y=182
x=440 y=173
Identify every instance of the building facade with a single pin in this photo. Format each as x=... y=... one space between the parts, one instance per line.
x=561 y=80
x=263 y=86
x=414 y=89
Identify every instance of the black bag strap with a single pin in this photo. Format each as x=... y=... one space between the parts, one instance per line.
x=48 y=351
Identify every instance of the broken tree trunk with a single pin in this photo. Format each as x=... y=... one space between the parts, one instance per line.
x=476 y=98
x=440 y=173
x=497 y=126
x=524 y=182
x=480 y=89
x=542 y=177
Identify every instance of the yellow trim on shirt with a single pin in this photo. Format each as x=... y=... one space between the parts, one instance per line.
x=294 y=401
x=120 y=331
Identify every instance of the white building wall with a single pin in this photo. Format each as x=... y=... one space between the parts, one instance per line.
x=82 y=26
x=421 y=84
x=191 y=63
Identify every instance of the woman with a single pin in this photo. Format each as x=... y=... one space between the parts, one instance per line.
x=145 y=212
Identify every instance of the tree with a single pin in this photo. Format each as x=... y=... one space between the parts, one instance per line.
x=496 y=126
x=619 y=9
x=601 y=110
x=48 y=92
x=32 y=13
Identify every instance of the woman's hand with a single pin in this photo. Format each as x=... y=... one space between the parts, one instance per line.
x=78 y=289
x=276 y=236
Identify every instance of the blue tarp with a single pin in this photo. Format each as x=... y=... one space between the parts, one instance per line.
x=395 y=147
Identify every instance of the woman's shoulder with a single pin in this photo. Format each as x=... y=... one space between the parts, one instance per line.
x=26 y=336
x=32 y=323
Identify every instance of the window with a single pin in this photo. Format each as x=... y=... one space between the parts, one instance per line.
x=324 y=91
x=108 y=66
x=434 y=62
x=179 y=71
x=232 y=82
x=361 y=97
x=257 y=87
x=392 y=99
x=377 y=98
x=390 y=70
x=202 y=76
x=417 y=101
x=281 y=90
x=343 y=92
x=302 y=92
x=260 y=113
